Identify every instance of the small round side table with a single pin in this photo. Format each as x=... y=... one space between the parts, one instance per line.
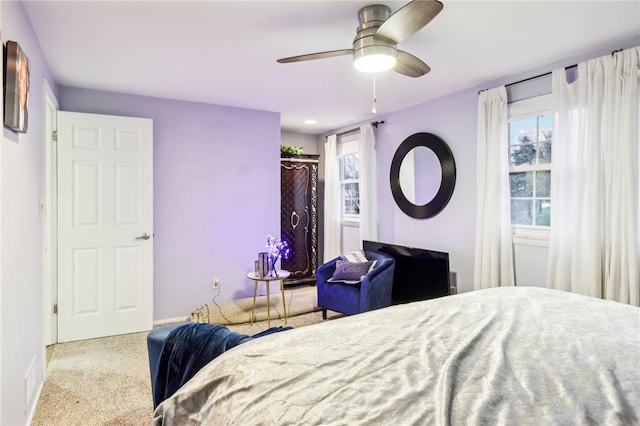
x=281 y=275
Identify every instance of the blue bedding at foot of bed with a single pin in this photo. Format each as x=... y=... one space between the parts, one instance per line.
x=190 y=347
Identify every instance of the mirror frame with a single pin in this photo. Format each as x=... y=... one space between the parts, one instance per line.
x=447 y=184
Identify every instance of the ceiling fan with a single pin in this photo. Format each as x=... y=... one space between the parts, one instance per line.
x=374 y=46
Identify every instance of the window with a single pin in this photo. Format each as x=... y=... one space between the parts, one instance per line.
x=350 y=185
x=349 y=165
x=530 y=142
x=530 y=170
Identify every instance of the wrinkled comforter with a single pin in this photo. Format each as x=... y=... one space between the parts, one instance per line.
x=512 y=355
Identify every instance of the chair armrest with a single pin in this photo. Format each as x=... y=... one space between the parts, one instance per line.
x=380 y=274
x=377 y=286
x=379 y=268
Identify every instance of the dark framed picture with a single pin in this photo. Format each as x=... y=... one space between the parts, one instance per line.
x=16 y=87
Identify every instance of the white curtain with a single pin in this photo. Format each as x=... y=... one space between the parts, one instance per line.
x=494 y=248
x=595 y=241
x=332 y=199
x=368 y=185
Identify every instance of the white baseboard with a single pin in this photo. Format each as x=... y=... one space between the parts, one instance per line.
x=34 y=406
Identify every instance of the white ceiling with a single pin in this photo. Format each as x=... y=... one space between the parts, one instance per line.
x=224 y=52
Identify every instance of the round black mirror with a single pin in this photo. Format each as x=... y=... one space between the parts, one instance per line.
x=404 y=166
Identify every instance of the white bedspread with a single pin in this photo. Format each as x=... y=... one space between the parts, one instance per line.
x=510 y=356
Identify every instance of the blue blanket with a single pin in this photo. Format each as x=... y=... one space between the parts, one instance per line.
x=190 y=347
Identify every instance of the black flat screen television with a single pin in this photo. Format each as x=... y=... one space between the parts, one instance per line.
x=419 y=274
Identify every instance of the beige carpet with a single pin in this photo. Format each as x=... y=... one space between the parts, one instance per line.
x=300 y=300
x=106 y=381
x=97 y=382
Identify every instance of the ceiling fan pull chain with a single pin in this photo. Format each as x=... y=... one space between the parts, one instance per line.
x=373 y=110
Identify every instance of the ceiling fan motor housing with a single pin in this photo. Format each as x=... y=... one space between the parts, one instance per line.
x=365 y=43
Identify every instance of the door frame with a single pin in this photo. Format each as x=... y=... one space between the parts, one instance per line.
x=49 y=210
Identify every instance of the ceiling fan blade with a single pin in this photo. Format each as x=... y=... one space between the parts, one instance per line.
x=319 y=55
x=408 y=20
x=409 y=65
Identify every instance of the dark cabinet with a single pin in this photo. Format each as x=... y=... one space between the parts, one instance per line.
x=299 y=216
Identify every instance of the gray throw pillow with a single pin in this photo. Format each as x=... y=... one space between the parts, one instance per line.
x=351 y=272
x=355 y=256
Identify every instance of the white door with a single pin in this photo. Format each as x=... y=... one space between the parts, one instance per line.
x=105 y=225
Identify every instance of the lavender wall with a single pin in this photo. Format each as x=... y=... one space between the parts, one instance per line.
x=453 y=120
x=216 y=192
x=21 y=188
x=307 y=142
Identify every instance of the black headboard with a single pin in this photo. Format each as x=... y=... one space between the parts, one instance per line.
x=419 y=273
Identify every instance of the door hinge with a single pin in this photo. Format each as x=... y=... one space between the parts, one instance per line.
x=54 y=136
x=55 y=308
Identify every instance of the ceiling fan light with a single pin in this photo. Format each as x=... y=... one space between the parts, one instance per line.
x=375 y=58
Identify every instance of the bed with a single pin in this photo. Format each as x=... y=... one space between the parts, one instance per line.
x=511 y=355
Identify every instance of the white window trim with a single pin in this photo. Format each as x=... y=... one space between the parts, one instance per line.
x=350 y=220
x=528 y=107
x=524 y=234
x=530 y=236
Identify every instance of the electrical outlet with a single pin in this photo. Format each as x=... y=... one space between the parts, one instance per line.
x=216 y=283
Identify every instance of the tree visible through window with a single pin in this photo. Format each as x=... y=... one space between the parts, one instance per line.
x=530 y=170
x=350 y=184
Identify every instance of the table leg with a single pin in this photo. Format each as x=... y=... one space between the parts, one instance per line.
x=284 y=305
x=268 y=307
x=253 y=307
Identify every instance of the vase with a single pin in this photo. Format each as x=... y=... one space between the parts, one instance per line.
x=264 y=264
x=273 y=272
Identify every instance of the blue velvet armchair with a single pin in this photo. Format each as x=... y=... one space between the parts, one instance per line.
x=373 y=292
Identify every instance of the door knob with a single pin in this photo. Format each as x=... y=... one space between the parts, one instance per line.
x=144 y=236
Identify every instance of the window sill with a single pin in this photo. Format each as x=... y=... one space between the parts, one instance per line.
x=530 y=237
x=521 y=241
x=353 y=222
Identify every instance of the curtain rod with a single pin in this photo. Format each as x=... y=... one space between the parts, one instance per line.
x=355 y=129
x=545 y=74
x=530 y=78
